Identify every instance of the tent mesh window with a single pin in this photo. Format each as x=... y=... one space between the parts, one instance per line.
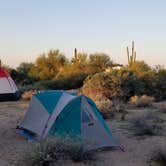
x=87 y=117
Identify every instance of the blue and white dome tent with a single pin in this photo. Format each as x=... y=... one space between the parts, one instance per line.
x=66 y=114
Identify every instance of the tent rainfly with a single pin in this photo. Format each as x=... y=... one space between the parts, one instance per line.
x=8 y=88
x=59 y=113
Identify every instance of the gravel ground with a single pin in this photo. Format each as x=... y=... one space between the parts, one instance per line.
x=14 y=150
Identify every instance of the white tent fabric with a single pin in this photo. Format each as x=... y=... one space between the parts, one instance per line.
x=36 y=117
x=7 y=85
x=8 y=88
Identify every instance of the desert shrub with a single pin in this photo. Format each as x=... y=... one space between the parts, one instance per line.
x=37 y=86
x=147 y=125
x=104 y=104
x=141 y=101
x=27 y=95
x=137 y=84
x=159 y=156
x=26 y=88
x=161 y=106
x=48 y=65
x=108 y=115
x=99 y=62
x=121 y=84
x=139 y=67
x=73 y=81
x=108 y=108
x=41 y=154
x=21 y=74
x=118 y=105
x=63 y=83
x=60 y=149
x=159 y=85
x=103 y=84
x=42 y=85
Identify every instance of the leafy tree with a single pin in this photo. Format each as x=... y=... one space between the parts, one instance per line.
x=48 y=65
x=79 y=63
x=139 y=67
x=22 y=73
x=24 y=68
x=74 y=72
x=79 y=58
x=99 y=62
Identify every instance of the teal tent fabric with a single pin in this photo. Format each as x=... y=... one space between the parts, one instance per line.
x=69 y=122
x=49 y=99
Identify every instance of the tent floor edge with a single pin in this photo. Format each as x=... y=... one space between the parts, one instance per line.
x=27 y=134
x=10 y=96
x=105 y=148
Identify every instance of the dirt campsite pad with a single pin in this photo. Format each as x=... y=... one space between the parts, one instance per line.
x=15 y=150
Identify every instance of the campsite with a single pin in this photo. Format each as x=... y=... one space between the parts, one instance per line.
x=15 y=149
x=104 y=116
x=82 y=83
x=112 y=117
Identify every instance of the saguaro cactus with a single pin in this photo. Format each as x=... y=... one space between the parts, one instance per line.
x=75 y=54
x=75 y=58
x=131 y=57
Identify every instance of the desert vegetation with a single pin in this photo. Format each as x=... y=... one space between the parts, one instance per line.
x=147 y=125
x=131 y=98
x=159 y=156
x=95 y=73
x=60 y=150
x=113 y=89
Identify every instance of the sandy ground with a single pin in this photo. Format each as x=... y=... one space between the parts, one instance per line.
x=14 y=150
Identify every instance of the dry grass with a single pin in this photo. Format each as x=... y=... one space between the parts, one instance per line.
x=27 y=95
x=118 y=106
x=161 y=106
x=159 y=156
x=147 y=125
x=109 y=108
x=142 y=101
x=52 y=150
x=104 y=105
x=14 y=147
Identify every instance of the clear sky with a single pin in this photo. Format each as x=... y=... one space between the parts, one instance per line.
x=31 y=27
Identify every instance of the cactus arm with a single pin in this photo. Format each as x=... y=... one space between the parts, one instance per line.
x=128 y=56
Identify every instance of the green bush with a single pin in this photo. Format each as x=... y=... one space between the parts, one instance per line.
x=159 y=85
x=53 y=150
x=133 y=84
x=104 y=84
x=65 y=83
x=21 y=74
x=125 y=83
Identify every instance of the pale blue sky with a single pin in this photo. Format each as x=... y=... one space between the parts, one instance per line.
x=31 y=27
